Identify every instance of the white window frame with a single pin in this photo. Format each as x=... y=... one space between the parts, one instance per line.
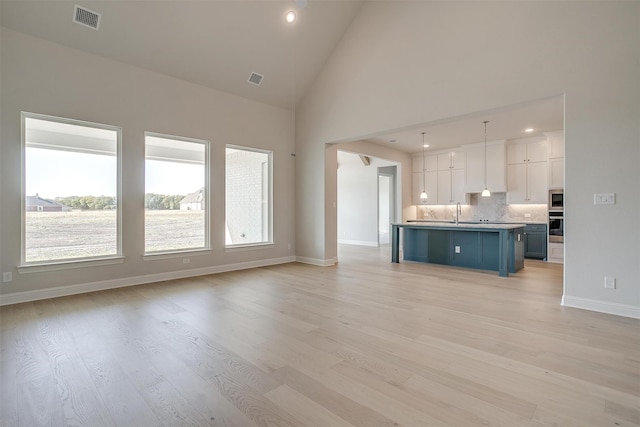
x=206 y=249
x=269 y=242
x=57 y=264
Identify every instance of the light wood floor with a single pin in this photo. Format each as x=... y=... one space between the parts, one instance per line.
x=365 y=343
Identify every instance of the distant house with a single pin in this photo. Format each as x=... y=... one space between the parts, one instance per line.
x=38 y=204
x=193 y=201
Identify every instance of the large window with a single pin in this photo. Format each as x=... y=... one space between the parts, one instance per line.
x=248 y=196
x=176 y=194
x=71 y=190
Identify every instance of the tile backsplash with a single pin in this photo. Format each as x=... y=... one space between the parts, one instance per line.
x=493 y=208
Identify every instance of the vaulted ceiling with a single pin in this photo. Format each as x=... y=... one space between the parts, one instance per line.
x=214 y=43
x=219 y=43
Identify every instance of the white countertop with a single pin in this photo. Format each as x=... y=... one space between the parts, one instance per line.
x=463 y=224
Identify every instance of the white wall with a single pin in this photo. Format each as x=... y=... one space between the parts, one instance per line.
x=42 y=77
x=358 y=199
x=406 y=63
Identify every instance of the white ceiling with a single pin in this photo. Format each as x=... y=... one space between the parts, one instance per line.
x=219 y=43
x=214 y=43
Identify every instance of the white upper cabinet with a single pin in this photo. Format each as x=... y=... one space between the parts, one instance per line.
x=430 y=162
x=527 y=152
x=451 y=160
x=527 y=173
x=451 y=178
x=443 y=179
x=496 y=171
x=427 y=181
x=555 y=142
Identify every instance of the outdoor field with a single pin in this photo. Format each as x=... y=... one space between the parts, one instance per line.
x=79 y=234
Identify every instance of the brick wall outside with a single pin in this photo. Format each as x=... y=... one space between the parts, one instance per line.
x=244 y=196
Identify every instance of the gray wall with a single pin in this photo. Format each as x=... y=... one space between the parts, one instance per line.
x=42 y=77
x=406 y=63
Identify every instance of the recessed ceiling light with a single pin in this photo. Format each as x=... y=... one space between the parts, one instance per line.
x=426 y=145
x=290 y=17
x=528 y=130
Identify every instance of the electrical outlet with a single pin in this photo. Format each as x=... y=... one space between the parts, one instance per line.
x=609 y=282
x=186 y=260
x=527 y=215
x=7 y=276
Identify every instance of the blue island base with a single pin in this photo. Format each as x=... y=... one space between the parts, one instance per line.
x=483 y=246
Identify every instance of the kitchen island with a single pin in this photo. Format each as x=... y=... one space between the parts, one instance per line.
x=487 y=246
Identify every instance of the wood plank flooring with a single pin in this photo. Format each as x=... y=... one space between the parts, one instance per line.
x=364 y=343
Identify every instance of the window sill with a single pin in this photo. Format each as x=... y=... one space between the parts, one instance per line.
x=152 y=256
x=248 y=247
x=65 y=265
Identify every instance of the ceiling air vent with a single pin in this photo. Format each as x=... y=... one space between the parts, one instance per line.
x=86 y=17
x=255 y=79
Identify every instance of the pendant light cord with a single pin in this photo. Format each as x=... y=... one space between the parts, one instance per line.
x=424 y=169
x=485 y=154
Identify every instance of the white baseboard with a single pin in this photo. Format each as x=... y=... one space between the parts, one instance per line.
x=357 y=243
x=60 y=291
x=625 y=310
x=317 y=261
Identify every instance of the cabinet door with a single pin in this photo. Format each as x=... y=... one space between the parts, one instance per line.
x=458 y=159
x=556 y=252
x=457 y=186
x=496 y=168
x=444 y=161
x=417 y=164
x=537 y=151
x=537 y=184
x=417 y=188
x=432 y=187
x=535 y=245
x=431 y=163
x=444 y=187
x=475 y=169
x=495 y=165
x=556 y=173
x=516 y=153
x=517 y=183
x=555 y=141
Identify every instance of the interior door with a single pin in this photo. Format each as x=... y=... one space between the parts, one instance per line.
x=386 y=203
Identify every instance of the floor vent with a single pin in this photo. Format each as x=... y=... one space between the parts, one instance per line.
x=86 y=17
x=255 y=79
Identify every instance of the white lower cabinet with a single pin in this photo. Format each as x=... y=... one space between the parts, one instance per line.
x=555 y=252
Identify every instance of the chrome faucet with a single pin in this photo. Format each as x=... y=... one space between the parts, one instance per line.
x=458 y=212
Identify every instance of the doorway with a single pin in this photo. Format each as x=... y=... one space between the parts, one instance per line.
x=386 y=203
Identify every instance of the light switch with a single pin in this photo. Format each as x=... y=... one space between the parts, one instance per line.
x=604 y=199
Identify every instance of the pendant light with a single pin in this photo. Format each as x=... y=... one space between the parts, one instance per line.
x=423 y=195
x=485 y=192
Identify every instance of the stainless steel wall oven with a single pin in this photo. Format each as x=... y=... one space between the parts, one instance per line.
x=556 y=226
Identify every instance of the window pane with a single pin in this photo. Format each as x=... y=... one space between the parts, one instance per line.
x=175 y=194
x=71 y=189
x=248 y=196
